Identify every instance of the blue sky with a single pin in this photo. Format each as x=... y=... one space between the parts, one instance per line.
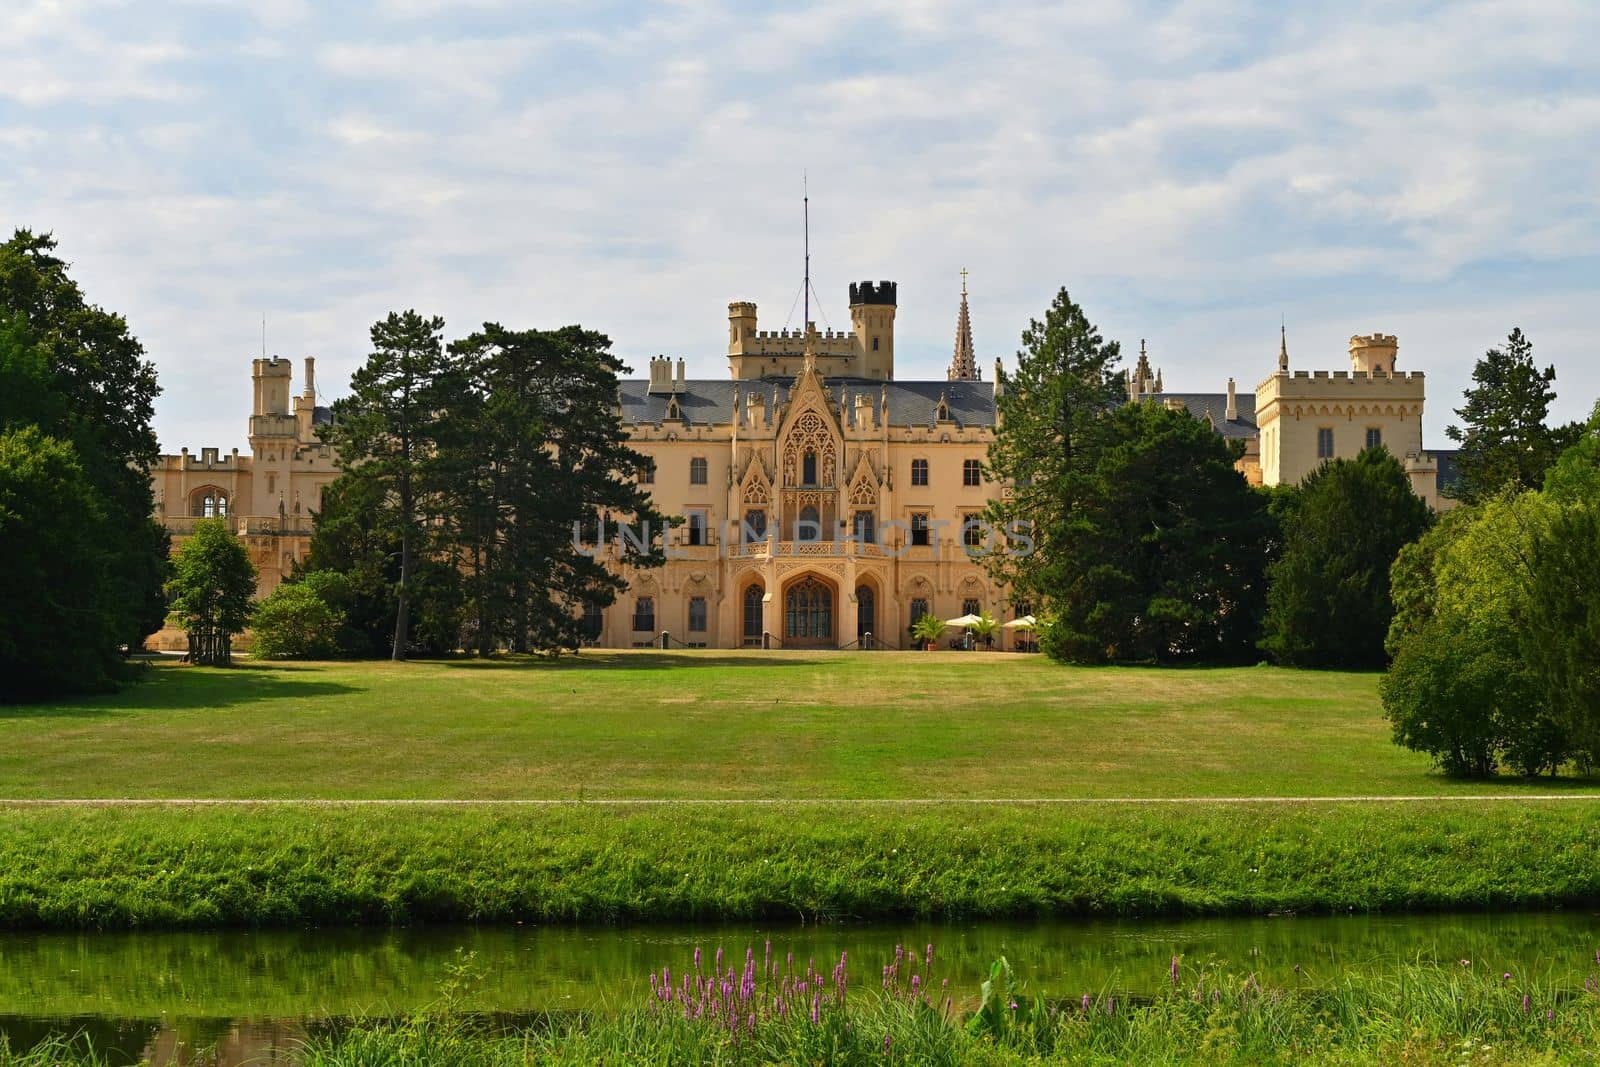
x=1193 y=172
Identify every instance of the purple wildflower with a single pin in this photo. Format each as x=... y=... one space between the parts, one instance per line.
x=1506 y=977
x=1013 y=1005
x=1086 y=1002
x=1524 y=1003
x=887 y=1041
x=697 y=957
x=929 y=958
x=1549 y=1015
x=1174 y=970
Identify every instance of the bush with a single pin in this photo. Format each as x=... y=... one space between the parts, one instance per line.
x=295 y=622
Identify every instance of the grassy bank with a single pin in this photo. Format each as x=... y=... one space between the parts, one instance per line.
x=720 y=724
x=761 y=1013
x=208 y=867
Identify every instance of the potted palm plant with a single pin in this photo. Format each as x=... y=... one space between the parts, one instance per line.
x=926 y=630
x=985 y=628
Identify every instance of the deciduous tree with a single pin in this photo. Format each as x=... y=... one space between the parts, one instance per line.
x=212 y=584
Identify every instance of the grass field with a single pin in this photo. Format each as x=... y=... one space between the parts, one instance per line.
x=851 y=735
x=721 y=725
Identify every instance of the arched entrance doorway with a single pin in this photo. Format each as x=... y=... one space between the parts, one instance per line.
x=866 y=612
x=808 y=613
x=751 y=611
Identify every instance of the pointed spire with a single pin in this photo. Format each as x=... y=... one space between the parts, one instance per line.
x=1143 y=381
x=1283 y=347
x=964 y=364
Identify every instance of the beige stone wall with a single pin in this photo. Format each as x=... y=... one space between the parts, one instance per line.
x=1306 y=417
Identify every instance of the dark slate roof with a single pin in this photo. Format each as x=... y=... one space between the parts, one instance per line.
x=706 y=401
x=1449 y=470
x=1216 y=405
x=321 y=416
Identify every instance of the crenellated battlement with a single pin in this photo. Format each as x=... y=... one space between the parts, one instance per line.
x=874 y=293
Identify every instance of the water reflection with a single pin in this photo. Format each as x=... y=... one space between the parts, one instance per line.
x=254 y=995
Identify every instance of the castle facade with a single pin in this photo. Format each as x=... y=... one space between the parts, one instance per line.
x=825 y=502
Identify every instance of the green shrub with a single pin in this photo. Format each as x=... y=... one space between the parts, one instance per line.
x=295 y=622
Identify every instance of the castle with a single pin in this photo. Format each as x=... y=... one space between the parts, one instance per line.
x=268 y=496
x=825 y=502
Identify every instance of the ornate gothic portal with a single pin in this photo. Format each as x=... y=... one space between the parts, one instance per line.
x=808 y=613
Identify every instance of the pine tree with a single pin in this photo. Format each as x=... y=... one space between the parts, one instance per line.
x=552 y=461
x=1328 y=602
x=1505 y=443
x=389 y=427
x=1168 y=552
x=1052 y=415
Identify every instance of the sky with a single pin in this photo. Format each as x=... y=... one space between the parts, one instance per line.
x=1196 y=174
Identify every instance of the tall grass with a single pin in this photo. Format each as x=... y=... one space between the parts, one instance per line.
x=198 y=868
x=1409 y=1013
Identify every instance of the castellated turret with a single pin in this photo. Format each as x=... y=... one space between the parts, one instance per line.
x=872 y=308
x=1374 y=354
x=866 y=351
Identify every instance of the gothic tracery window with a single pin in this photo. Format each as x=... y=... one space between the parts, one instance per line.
x=809 y=455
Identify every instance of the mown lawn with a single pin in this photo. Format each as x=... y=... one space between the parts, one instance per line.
x=720 y=725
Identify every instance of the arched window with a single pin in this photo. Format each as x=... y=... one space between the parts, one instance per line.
x=752 y=613
x=866 y=603
x=808 y=611
x=644 y=614
x=809 y=469
x=209 y=503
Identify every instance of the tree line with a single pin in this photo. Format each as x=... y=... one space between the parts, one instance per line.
x=466 y=469
x=1153 y=548
x=84 y=561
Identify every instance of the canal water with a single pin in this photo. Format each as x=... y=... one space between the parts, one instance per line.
x=251 y=996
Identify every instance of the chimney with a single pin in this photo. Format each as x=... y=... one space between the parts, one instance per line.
x=1233 y=403
x=661 y=375
x=311 y=378
x=679 y=387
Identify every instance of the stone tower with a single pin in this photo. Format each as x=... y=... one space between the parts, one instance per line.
x=872 y=308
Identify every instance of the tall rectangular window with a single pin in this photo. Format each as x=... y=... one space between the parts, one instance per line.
x=593 y=620
x=644 y=614
x=647 y=473
x=920 y=534
x=697 y=471
x=697 y=614
x=970 y=606
x=1325 y=442
x=973 y=531
x=971 y=472
x=919 y=472
x=865 y=528
x=1374 y=437
x=919 y=608
x=696 y=528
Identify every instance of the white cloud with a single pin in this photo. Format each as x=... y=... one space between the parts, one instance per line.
x=1191 y=171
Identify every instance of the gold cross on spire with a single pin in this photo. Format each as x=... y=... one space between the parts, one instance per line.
x=963 y=281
